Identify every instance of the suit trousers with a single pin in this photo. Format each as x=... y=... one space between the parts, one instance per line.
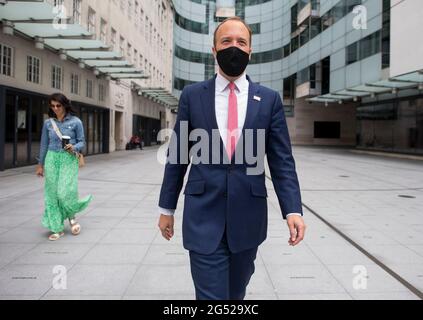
x=222 y=275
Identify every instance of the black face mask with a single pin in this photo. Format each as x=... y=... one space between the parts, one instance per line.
x=233 y=61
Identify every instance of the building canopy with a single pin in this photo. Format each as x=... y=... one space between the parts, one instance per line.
x=38 y=21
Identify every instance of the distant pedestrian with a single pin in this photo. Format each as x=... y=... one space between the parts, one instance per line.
x=59 y=164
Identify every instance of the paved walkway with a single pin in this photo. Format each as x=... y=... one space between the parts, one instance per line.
x=374 y=202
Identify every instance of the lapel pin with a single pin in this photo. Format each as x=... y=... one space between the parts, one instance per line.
x=257 y=98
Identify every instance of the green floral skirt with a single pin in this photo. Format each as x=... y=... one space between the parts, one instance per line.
x=61 y=190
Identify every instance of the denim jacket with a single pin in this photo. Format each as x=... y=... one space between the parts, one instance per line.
x=70 y=126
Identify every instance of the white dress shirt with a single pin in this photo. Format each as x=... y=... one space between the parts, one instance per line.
x=221 y=108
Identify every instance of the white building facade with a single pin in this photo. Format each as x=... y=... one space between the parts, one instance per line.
x=112 y=59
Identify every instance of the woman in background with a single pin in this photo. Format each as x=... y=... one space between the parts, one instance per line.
x=60 y=167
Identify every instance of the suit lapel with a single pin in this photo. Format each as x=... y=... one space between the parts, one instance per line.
x=253 y=105
x=208 y=99
x=208 y=103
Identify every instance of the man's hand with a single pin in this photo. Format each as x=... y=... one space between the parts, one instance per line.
x=296 y=229
x=166 y=226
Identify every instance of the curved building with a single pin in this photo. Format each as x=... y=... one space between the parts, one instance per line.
x=338 y=64
x=271 y=65
x=195 y=22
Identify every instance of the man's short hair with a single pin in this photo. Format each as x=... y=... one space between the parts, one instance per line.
x=232 y=19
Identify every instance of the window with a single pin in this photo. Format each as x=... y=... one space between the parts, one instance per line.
x=56 y=77
x=147 y=23
x=287 y=50
x=338 y=11
x=386 y=34
x=135 y=58
x=33 y=69
x=91 y=21
x=370 y=45
x=316 y=28
x=307 y=75
x=5 y=60
x=130 y=9
x=327 y=20
x=129 y=53
x=294 y=43
x=113 y=39
x=122 y=46
x=294 y=17
x=76 y=14
x=74 y=83
x=327 y=130
x=352 y=53
x=190 y=25
x=289 y=88
x=58 y=3
x=364 y=48
x=103 y=31
x=101 y=92
x=136 y=14
x=89 y=89
x=142 y=21
x=304 y=36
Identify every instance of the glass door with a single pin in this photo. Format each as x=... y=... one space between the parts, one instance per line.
x=18 y=126
x=23 y=131
x=9 y=146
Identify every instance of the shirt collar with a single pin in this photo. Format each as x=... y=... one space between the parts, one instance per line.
x=222 y=83
x=68 y=116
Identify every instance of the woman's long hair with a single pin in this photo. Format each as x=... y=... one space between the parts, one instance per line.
x=60 y=98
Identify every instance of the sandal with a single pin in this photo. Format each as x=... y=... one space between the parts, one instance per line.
x=75 y=227
x=56 y=236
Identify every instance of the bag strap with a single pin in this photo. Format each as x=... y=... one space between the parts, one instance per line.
x=59 y=134
x=56 y=129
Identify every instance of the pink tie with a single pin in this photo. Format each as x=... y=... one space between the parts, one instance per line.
x=232 y=121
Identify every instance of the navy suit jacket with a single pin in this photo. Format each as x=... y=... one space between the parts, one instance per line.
x=222 y=196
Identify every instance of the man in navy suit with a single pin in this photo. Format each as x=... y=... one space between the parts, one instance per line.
x=225 y=208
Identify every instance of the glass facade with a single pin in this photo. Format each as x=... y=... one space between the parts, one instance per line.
x=395 y=126
x=147 y=129
x=193 y=36
x=310 y=48
x=364 y=48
